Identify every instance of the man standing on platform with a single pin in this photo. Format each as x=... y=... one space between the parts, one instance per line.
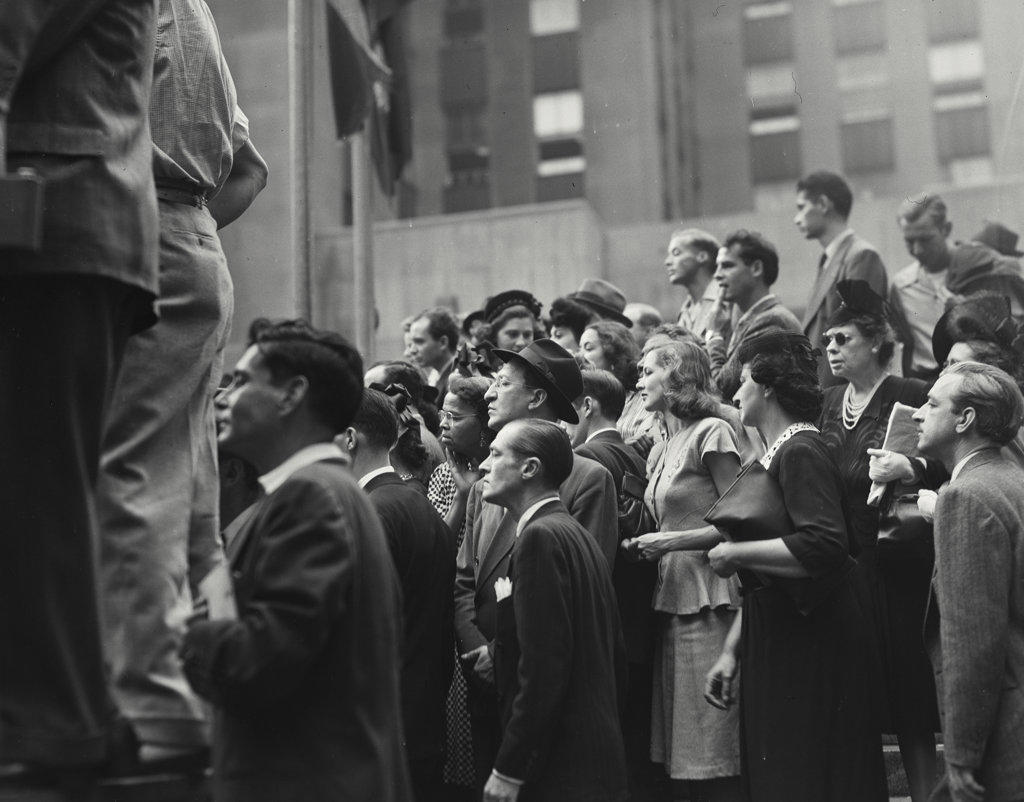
x=823 y=204
x=690 y=263
x=75 y=79
x=975 y=637
x=434 y=337
x=158 y=498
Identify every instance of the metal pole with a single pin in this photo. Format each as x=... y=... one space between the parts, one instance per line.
x=362 y=244
x=300 y=104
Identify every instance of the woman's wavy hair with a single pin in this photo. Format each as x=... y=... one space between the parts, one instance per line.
x=689 y=389
x=788 y=363
x=620 y=350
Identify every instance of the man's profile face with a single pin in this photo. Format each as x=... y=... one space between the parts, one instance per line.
x=734 y=276
x=810 y=216
x=424 y=349
x=247 y=410
x=508 y=398
x=502 y=470
x=683 y=260
x=926 y=241
x=937 y=418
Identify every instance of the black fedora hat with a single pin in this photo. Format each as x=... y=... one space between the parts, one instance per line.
x=999 y=238
x=470 y=319
x=604 y=298
x=554 y=369
x=980 y=317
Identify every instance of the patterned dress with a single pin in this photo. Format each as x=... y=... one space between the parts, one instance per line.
x=458 y=766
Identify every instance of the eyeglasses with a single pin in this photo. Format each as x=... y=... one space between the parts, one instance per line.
x=840 y=338
x=448 y=417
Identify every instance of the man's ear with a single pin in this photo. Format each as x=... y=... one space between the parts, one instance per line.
x=946 y=228
x=589 y=408
x=296 y=389
x=824 y=202
x=757 y=268
x=965 y=420
x=539 y=397
x=530 y=468
x=348 y=441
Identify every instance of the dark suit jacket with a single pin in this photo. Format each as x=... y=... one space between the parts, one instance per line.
x=423 y=552
x=855 y=258
x=305 y=682
x=977 y=642
x=633 y=581
x=588 y=493
x=725 y=359
x=560 y=666
x=75 y=78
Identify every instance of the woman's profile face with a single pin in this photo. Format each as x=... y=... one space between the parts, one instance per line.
x=651 y=384
x=592 y=350
x=849 y=352
x=515 y=334
x=960 y=352
x=565 y=337
x=460 y=428
x=749 y=398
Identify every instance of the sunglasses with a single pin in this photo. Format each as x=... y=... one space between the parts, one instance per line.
x=840 y=338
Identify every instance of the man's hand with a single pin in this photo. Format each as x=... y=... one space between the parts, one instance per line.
x=886 y=466
x=483 y=665
x=499 y=790
x=962 y=784
x=721 y=317
x=721 y=560
x=720 y=683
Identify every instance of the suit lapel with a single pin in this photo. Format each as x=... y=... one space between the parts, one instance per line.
x=236 y=545
x=822 y=285
x=498 y=543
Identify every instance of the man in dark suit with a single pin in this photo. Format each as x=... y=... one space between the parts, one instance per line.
x=747 y=266
x=823 y=204
x=975 y=637
x=538 y=382
x=75 y=79
x=434 y=339
x=596 y=437
x=560 y=660
x=304 y=676
x=423 y=552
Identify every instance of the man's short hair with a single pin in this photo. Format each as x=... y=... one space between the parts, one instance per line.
x=645 y=314
x=548 y=442
x=830 y=185
x=700 y=240
x=376 y=419
x=606 y=390
x=993 y=395
x=331 y=366
x=441 y=322
x=754 y=246
x=921 y=205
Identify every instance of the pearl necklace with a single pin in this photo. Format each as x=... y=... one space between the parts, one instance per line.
x=852 y=411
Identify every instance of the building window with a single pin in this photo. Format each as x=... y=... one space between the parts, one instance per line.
x=556 y=62
x=961 y=126
x=463 y=75
x=469 y=181
x=775 y=146
x=867 y=145
x=768 y=32
x=554 y=16
x=859 y=27
x=557 y=114
x=956 y=66
x=558 y=127
x=949 y=20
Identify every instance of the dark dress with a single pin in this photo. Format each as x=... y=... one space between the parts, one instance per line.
x=896 y=573
x=808 y=723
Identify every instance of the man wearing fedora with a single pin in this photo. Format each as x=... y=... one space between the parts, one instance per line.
x=999 y=238
x=539 y=382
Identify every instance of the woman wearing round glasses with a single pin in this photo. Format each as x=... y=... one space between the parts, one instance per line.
x=859 y=343
x=466 y=440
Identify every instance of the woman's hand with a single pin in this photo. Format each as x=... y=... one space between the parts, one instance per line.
x=649 y=547
x=720 y=683
x=887 y=466
x=465 y=472
x=721 y=559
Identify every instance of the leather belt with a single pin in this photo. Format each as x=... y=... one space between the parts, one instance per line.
x=184 y=196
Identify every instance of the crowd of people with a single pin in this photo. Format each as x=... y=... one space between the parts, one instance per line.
x=574 y=553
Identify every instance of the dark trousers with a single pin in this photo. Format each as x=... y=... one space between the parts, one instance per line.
x=485 y=727
x=61 y=341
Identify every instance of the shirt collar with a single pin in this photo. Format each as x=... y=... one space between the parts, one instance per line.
x=963 y=463
x=317 y=452
x=366 y=478
x=531 y=511
x=592 y=435
x=833 y=246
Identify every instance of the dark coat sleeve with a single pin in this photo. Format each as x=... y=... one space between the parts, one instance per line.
x=300 y=576
x=467 y=633
x=865 y=264
x=541 y=597
x=594 y=503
